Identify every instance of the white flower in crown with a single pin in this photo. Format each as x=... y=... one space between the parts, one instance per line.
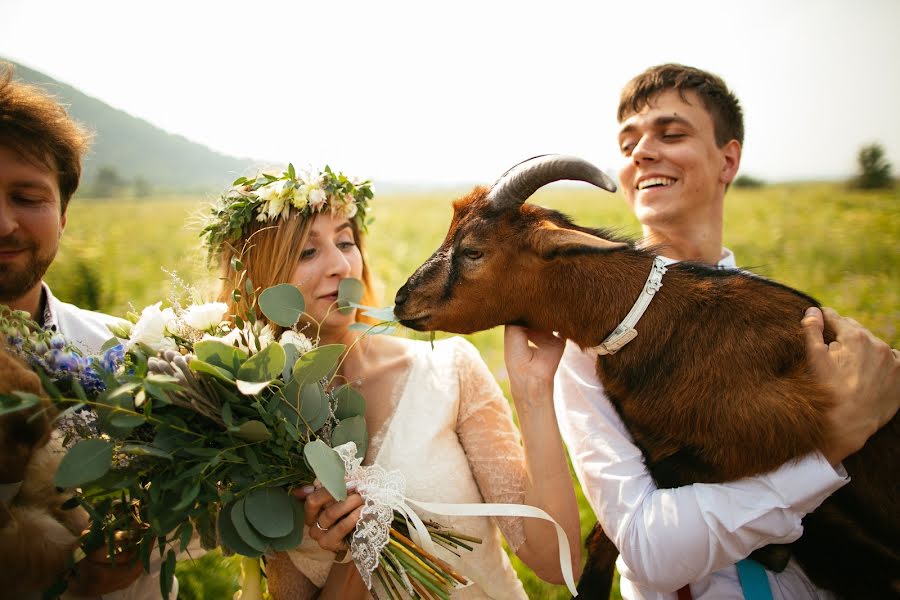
x=152 y=327
x=300 y=341
x=205 y=317
x=300 y=196
x=348 y=210
x=317 y=198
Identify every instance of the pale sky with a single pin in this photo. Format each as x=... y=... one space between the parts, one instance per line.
x=428 y=92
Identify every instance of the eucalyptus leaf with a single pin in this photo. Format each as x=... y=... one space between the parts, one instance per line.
x=350 y=403
x=352 y=430
x=282 y=304
x=291 y=354
x=144 y=450
x=314 y=406
x=250 y=536
x=269 y=511
x=317 y=363
x=264 y=366
x=253 y=431
x=187 y=498
x=230 y=536
x=86 y=461
x=385 y=314
x=381 y=329
x=220 y=354
x=350 y=291
x=126 y=421
x=249 y=388
x=11 y=403
x=293 y=539
x=198 y=366
x=328 y=467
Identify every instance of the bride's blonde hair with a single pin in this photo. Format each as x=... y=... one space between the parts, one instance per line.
x=269 y=252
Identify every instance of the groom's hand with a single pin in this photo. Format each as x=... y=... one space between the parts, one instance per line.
x=531 y=356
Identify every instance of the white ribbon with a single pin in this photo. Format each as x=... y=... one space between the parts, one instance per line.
x=384 y=492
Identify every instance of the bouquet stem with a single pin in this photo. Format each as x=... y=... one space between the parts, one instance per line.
x=251 y=580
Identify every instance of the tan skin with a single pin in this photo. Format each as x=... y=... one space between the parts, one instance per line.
x=674 y=176
x=31 y=225
x=377 y=364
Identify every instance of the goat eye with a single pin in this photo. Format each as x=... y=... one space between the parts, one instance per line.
x=472 y=253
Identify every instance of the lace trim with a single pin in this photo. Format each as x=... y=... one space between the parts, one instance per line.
x=382 y=491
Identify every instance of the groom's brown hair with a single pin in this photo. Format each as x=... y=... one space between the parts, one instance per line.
x=36 y=127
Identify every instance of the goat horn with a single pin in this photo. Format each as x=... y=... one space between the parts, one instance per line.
x=518 y=184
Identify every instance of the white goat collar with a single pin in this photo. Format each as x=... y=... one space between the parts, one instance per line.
x=626 y=332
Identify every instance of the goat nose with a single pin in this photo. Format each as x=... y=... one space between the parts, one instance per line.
x=401 y=296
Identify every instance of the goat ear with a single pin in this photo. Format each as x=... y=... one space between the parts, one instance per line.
x=550 y=240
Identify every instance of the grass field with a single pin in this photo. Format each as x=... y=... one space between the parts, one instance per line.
x=836 y=245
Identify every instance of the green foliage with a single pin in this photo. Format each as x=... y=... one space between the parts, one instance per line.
x=874 y=168
x=747 y=181
x=820 y=238
x=108 y=182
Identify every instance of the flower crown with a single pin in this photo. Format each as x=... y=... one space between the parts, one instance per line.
x=267 y=198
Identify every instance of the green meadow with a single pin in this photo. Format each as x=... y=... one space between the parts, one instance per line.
x=839 y=246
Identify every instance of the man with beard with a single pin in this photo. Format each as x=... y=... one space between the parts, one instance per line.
x=40 y=165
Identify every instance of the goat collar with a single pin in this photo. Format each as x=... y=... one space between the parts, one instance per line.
x=626 y=332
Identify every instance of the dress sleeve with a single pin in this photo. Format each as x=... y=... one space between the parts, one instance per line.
x=490 y=438
x=707 y=526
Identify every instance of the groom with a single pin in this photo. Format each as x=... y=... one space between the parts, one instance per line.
x=41 y=150
x=680 y=137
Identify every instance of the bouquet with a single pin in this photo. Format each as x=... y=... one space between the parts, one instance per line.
x=190 y=425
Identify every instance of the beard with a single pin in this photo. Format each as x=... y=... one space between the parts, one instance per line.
x=15 y=280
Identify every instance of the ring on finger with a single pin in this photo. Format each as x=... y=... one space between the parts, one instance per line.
x=319 y=527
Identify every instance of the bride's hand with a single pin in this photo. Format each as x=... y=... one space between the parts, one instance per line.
x=531 y=356
x=330 y=521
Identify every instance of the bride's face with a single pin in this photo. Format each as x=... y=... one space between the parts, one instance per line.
x=330 y=254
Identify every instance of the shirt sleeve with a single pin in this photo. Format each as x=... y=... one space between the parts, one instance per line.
x=668 y=538
x=490 y=439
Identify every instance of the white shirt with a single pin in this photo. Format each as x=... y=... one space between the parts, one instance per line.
x=694 y=534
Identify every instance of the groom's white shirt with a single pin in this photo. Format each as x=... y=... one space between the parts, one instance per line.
x=688 y=535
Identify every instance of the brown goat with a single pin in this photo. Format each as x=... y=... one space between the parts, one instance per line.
x=715 y=388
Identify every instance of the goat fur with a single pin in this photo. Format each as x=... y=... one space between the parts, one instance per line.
x=37 y=537
x=715 y=387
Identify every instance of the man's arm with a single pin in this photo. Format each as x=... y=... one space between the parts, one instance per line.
x=710 y=526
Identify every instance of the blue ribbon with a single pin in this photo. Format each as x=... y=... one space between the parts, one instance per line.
x=754 y=581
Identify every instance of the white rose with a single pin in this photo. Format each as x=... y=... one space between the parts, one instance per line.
x=317 y=198
x=302 y=343
x=205 y=317
x=151 y=328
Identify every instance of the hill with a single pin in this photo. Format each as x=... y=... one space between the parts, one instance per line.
x=132 y=150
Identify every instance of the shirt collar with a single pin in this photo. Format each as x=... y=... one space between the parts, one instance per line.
x=48 y=315
x=726 y=262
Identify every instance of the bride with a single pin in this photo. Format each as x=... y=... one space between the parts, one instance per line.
x=433 y=411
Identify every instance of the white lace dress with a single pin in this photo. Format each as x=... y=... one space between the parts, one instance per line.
x=453 y=437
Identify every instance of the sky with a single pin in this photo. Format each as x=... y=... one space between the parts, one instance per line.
x=427 y=93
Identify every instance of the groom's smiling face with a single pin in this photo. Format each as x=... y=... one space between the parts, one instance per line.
x=31 y=222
